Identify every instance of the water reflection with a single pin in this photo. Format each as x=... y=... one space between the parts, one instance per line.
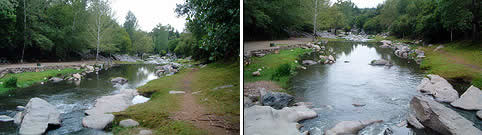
x=72 y=98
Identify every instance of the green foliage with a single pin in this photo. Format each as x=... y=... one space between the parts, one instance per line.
x=26 y=79
x=270 y=63
x=10 y=82
x=215 y=26
x=160 y=35
x=281 y=71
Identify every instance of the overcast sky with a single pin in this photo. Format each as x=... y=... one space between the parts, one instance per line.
x=149 y=12
x=365 y=3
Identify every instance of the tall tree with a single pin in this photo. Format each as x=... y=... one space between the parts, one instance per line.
x=100 y=21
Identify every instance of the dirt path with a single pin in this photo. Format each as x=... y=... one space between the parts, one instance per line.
x=195 y=112
x=459 y=60
x=256 y=45
x=45 y=64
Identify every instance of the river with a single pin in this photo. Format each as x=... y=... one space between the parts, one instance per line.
x=385 y=91
x=73 y=98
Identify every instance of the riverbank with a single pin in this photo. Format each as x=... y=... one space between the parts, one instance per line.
x=211 y=90
x=30 y=73
x=455 y=61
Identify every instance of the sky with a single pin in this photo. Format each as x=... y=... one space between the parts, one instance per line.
x=149 y=13
x=365 y=3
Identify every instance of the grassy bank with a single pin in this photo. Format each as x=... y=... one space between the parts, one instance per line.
x=269 y=63
x=457 y=60
x=26 y=79
x=155 y=113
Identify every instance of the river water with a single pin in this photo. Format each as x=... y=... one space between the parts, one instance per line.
x=73 y=98
x=385 y=91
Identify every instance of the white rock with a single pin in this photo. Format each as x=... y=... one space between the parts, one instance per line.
x=97 y=121
x=139 y=99
x=479 y=114
x=444 y=120
x=38 y=115
x=77 y=76
x=470 y=100
x=128 y=123
x=17 y=119
x=264 y=120
x=5 y=118
x=350 y=127
x=177 y=92
x=439 y=88
x=145 y=132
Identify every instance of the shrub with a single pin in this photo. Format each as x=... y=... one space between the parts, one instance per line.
x=282 y=70
x=11 y=82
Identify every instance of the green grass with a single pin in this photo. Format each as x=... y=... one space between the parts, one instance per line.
x=223 y=102
x=26 y=79
x=155 y=113
x=440 y=64
x=270 y=63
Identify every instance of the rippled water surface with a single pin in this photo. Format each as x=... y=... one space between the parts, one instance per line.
x=72 y=98
x=385 y=91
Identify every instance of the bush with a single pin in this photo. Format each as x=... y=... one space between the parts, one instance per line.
x=11 y=82
x=282 y=70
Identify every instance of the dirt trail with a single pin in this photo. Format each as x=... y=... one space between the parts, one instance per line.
x=45 y=64
x=255 y=45
x=459 y=60
x=196 y=113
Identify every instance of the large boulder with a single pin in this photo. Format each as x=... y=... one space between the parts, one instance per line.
x=98 y=117
x=98 y=121
x=109 y=104
x=470 y=100
x=264 y=120
x=379 y=62
x=439 y=88
x=309 y=62
x=128 y=123
x=17 y=119
x=38 y=116
x=119 y=80
x=444 y=120
x=277 y=100
x=350 y=127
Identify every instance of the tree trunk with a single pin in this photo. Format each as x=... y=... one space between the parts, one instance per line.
x=314 y=24
x=475 y=20
x=98 y=38
x=451 y=35
x=24 y=30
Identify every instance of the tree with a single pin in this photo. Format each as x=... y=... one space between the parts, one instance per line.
x=215 y=24
x=130 y=24
x=100 y=21
x=160 y=36
x=454 y=16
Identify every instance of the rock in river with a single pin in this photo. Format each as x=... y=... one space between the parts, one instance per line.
x=479 y=114
x=119 y=80
x=98 y=121
x=439 y=88
x=308 y=62
x=264 y=120
x=440 y=118
x=277 y=100
x=55 y=79
x=128 y=123
x=350 y=127
x=470 y=100
x=5 y=118
x=379 y=62
x=38 y=116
